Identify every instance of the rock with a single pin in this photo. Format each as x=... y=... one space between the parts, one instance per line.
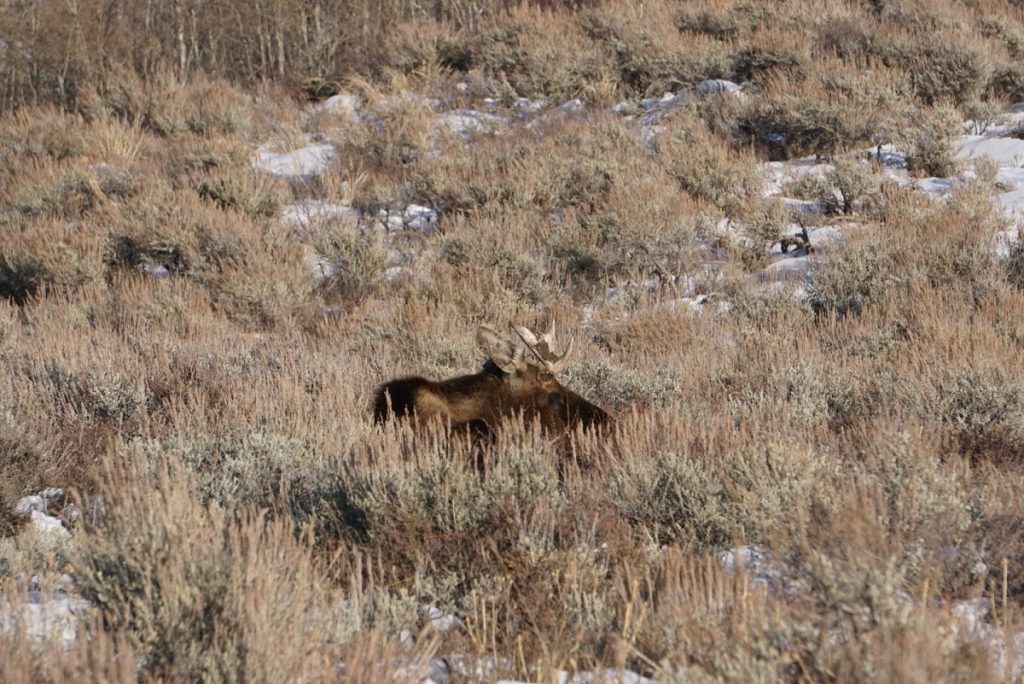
x=48 y=526
x=530 y=106
x=304 y=162
x=344 y=104
x=623 y=108
x=757 y=562
x=393 y=273
x=612 y=676
x=413 y=217
x=318 y=266
x=466 y=122
x=442 y=622
x=311 y=216
x=43 y=615
x=573 y=107
x=50 y=498
x=666 y=101
x=718 y=86
x=155 y=271
x=970 y=615
x=27 y=505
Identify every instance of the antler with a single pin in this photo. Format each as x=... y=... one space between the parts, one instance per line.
x=543 y=348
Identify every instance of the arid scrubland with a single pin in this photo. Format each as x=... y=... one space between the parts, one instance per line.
x=813 y=477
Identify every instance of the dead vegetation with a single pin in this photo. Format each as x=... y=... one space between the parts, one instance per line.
x=169 y=357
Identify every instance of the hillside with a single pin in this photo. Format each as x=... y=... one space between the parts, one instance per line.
x=784 y=235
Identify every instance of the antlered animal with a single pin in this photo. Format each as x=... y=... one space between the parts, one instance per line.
x=518 y=377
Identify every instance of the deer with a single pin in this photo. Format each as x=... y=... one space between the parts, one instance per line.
x=518 y=377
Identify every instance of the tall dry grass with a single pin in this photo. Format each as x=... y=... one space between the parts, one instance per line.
x=214 y=421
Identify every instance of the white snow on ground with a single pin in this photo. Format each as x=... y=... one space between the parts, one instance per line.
x=43 y=615
x=938 y=187
x=467 y=122
x=604 y=677
x=1006 y=151
x=718 y=86
x=309 y=215
x=413 y=217
x=343 y=104
x=999 y=144
x=304 y=162
x=1006 y=649
x=461 y=668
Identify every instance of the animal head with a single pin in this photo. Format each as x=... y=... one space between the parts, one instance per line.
x=529 y=368
x=520 y=377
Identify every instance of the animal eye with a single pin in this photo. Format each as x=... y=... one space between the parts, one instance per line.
x=544 y=375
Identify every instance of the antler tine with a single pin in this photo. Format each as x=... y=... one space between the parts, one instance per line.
x=549 y=336
x=526 y=334
x=530 y=340
x=558 y=364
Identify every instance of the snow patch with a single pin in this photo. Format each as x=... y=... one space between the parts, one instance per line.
x=311 y=160
x=309 y=215
x=413 y=217
x=43 y=615
x=718 y=86
x=467 y=122
x=1006 y=151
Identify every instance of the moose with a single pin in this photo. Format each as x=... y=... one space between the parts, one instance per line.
x=518 y=377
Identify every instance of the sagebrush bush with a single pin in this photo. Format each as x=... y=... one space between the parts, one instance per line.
x=863 y=273
x=705 y=168
x=249 y=194
x=196 y=371
x=165 y=106
x=189 y=612
x=928 y=142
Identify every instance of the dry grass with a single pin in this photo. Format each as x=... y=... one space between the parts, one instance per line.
x=215 y=419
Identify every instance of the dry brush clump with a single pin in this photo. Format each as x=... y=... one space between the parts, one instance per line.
x=170 y=361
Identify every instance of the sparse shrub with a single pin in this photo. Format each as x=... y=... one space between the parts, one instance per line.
x=620 y=387
x=1007 y=81
x=672 y=499
x=40 y=132
x=256 y=196
x=441 y=495
x=864 y=272
x=47 y=257
x=357 y=257
x=1004 y=30
x=178 y=579
x=984 y=410
x=741 y=18
x=71 y=193
x=394 y=135
x=982 y=114
x=852 y=181
x=948 y=70
x=165 y=106
x=844 y=35
x=789 y=125
x=178 y=233
x=763 y=225
x=422 y=46
x=705 y=168
x=840 y=189
x=756 y=62
x=929 y=142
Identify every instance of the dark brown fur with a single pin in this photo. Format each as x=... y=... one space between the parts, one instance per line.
x=477 y=403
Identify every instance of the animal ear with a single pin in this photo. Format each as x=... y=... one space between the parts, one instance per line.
x=505 y=355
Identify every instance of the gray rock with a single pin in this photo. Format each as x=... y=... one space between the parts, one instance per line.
x=48 y=526
x=27 y=505
x=718 y=86
x=43 y=615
